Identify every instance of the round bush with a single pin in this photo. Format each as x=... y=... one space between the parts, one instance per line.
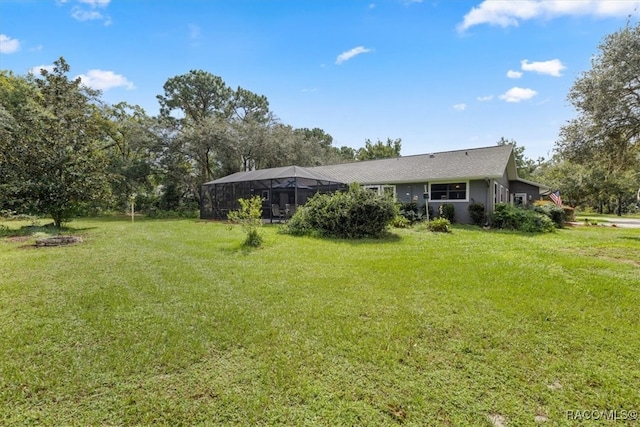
x=356 y=213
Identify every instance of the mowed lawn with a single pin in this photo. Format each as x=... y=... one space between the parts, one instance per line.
x=171 y=322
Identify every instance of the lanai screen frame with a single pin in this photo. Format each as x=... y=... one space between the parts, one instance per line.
x=298 y=185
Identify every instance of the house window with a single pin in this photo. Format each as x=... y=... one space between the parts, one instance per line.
x=520 y=199
x=501 y=194
x=449 y=191
x=495 y=193
x=382 y=189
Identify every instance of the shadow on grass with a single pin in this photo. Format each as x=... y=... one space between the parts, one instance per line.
x=386 y=237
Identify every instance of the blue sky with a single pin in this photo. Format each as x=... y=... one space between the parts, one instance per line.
x=440 y=75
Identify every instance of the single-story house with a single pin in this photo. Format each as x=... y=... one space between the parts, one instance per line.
x=478 y=175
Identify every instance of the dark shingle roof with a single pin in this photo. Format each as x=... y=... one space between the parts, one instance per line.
x=476 y=163
x=274 y=173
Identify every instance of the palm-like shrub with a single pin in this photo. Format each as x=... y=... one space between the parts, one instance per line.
x=250 y=217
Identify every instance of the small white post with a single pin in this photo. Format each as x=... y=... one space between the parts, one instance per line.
x=425 y=196
x=132 y=199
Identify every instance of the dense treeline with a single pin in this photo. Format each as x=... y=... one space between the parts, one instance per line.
x=64 y=152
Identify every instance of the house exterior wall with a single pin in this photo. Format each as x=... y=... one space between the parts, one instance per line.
x=405 y=193
x=477 y=192
x=532 y=192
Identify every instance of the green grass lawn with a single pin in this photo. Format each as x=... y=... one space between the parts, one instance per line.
x=172 y=322
x=581 y=216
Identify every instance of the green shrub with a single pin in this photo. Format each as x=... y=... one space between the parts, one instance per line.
x=411 y=212
x=250 y=217
x=400 y=221
x=534 y=222
x=569 y=213
x=553 y=211
x=441 y=225
x=448 y=211
x=356 y=213
x=299 y=224
x=523 y=219
x=477 y=213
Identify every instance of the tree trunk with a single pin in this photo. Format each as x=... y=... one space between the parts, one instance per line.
x=619 y=213
x=57 y=219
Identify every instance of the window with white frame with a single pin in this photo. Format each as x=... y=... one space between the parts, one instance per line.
x=453 y=191
x=382 y=189
x=501 y=194
x=495 y=193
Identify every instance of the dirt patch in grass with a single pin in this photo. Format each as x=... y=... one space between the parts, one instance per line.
x=58 y=241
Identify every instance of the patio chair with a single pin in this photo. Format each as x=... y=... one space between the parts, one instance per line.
x=276 y=212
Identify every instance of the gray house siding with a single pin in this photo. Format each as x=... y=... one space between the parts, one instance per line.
x=519 y=187
x=405 y=193
x=476 y=193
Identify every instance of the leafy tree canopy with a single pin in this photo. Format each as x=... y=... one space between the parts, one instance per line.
x=52 y=155
x=379 y=150
x=605 y=136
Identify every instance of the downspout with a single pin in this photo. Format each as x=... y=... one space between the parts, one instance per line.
x=271 y=201
x=488 y=199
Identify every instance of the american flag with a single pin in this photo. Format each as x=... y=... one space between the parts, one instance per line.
x=555 y=196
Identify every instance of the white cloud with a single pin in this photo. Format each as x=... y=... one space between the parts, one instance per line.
x=517 y=94
x=8 y=45
x=460 y=107
x=553 y=67
x=85 y=15
x=96 y=3
x=511 y=13
x=105 y=80
x=514 y=74
x=88 y=11
x=485 y=98
x=345 y=56
x=36 y=70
